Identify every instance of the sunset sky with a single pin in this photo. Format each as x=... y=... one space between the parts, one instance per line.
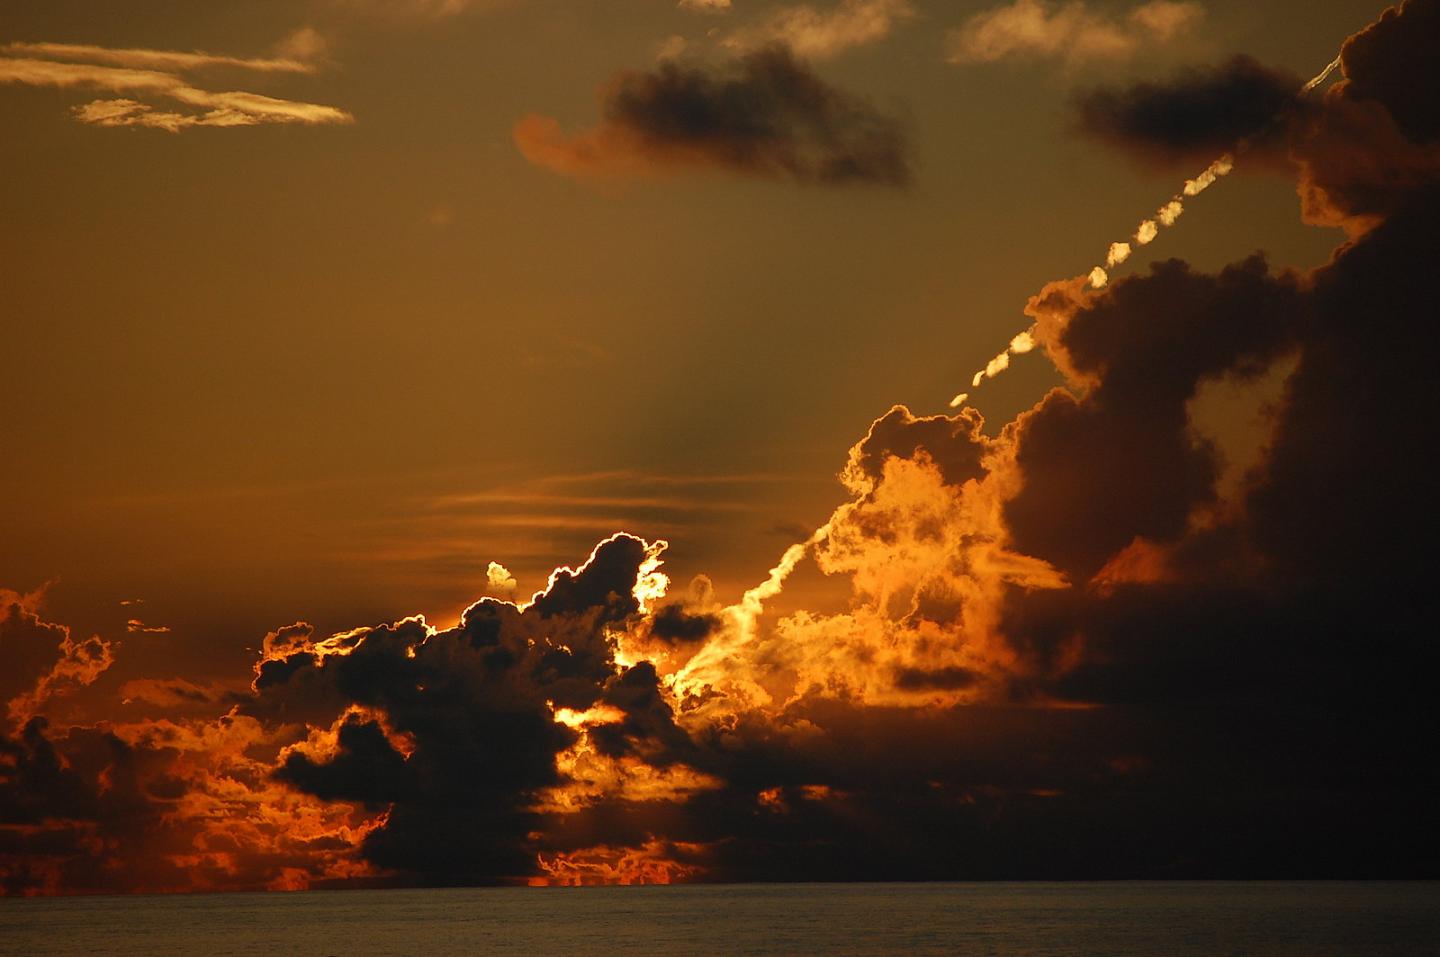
x=322 y=316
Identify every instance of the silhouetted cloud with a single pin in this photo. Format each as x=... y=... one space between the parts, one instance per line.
x=1194 y=116
x=674 y=623
x=765 y=115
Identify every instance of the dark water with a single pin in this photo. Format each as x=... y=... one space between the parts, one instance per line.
x=1006 y=920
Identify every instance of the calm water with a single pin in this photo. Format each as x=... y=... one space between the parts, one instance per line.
x=1014 y=920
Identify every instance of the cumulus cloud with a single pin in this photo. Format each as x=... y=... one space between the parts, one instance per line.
x=765 y=115
x=1068 y=31
x=141 y=74
x=816 y=33
x=1369 y=142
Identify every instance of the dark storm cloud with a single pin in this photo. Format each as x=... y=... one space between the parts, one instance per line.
x=1363 y=145
x=675 y=625
x=1392 y=62
x=1121 y=460
x=954 y=443
x=365 y=768
x=1376 y=142
x=944 y=679
x=475 y=702
x=1345 y=491
x=1286 y=651
x=82 y=810
x=649 y=724
x=1195 y=115
x=766 y=114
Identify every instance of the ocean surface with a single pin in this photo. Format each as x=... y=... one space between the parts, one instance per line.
x=1145 y=919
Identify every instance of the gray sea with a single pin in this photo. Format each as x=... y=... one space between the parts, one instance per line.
x=1145 y=919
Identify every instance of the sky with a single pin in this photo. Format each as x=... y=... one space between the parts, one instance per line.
x=522 y=441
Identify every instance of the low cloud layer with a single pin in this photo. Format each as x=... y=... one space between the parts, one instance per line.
x=766 y=115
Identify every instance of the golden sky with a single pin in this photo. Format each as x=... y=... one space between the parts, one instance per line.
x=341 y=312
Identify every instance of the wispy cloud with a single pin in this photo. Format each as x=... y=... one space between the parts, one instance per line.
x=154 y=59
x=1067 y=31
x=139 y=75
x=431 y=9
x=816 y=33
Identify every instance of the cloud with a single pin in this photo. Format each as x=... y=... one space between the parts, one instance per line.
x=421 y=9
x=674 y=624
x=151 y=73
x=765 y=115
x=301 y=45
x=1119 y=461
x=705 y=6
x=1376 y=142
x=475 y=706
x=1367 y=143
x=1057 y=649
x=817 y=34
x=1067 y=31
x=43 y=660
x=1196 y=115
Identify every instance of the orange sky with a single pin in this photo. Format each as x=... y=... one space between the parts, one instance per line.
x=313 y=312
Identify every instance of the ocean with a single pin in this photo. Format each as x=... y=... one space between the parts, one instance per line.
x=1143 y=919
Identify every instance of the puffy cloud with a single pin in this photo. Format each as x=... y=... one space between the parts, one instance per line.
x=1364 y=146
x=1196 y=115
x=476 y=705
x=1067 y=31
x=766 y=115
x=1376 y=140
x=1120 y=460
x=817 y=34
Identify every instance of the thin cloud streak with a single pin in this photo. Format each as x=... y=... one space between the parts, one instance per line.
x=143 y=59
x=818 y=34
x=1040 y=30
x=210 y=108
